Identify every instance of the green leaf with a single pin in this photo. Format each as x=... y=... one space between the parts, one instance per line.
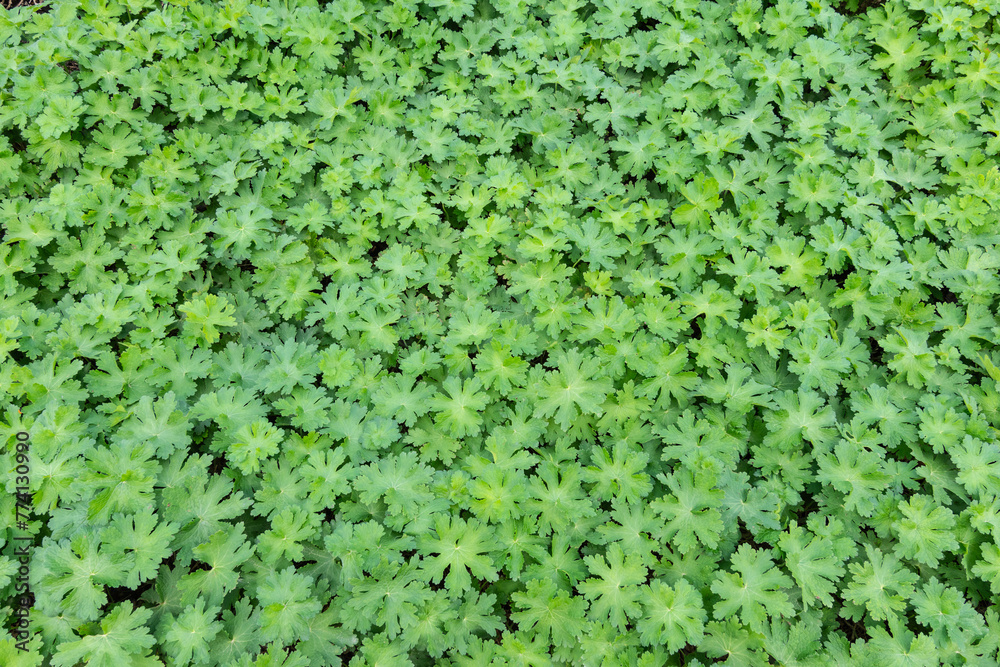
x=615 y=592
x=545 y=610
x=673 y=616
x=205 y=315
x=124 y=640
x=753 y=589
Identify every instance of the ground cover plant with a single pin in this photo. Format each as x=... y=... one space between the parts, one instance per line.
x=504 y=332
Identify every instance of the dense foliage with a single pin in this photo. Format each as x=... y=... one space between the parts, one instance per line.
x=506 y=332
